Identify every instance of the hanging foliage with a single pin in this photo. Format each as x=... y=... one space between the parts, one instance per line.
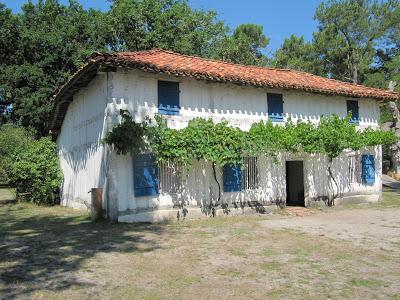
x=226 y=145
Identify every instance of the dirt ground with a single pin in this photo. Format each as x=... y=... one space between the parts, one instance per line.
x=367 y=228
x=339 y=253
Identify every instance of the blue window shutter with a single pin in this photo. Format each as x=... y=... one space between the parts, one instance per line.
x=145 y=173
x=352 y=106
x=232 y=179
x=168 y=98
x=275 y=107
x=368 y=169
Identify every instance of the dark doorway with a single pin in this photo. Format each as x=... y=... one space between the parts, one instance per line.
x=294 y=183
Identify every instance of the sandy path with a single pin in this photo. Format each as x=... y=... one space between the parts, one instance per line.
x=377 y=228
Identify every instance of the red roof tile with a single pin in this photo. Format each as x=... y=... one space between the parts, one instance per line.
x=158 y=60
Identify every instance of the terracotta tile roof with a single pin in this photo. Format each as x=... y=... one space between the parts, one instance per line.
x=158 y=60
x=162 y=61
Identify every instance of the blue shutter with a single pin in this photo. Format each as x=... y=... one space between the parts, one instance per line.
x=232 y=179
x=168 y=98
x=368 y=169
x=352 y=106
x=145 y=175
x=275 y=107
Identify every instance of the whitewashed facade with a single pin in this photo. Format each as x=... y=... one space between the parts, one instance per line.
x=87 y=163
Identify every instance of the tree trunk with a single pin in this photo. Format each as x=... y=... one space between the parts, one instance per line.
x=355 y=73
x=331 y=178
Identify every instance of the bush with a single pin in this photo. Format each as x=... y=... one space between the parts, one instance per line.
x=36 y=171
x=13 y=140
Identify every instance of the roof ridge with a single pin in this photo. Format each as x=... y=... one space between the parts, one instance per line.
x=207 y=59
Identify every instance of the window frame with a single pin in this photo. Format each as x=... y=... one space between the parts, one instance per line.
x=167 y=89
x=141 y=164
x=355 y=115
x=275 y=100
x=173 y=179
x=250 y=175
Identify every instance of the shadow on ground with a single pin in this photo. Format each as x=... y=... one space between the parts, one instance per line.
x=42 y=251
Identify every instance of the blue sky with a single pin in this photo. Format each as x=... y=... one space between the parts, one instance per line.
x=280 y=18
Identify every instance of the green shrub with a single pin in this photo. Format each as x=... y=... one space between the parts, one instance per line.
x=13 y=140
x=36 y=172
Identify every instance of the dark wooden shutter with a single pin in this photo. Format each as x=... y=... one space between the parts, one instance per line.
x=145 y=175
x=352 y=106
x=232 y=179
x=368 y=169
x=168 y=98
x=275 y=107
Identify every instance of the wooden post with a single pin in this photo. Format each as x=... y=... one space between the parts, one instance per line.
x=96 y=209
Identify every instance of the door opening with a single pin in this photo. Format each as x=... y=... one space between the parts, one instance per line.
x=294 y=183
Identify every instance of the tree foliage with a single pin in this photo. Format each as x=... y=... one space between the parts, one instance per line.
x=36 y=172
x=13 y=140
x=244 y=46
x=297 y=54
x=46 y=42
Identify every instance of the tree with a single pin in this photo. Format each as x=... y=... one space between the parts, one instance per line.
x=167 y=24
x=244 y=46
x=51 y=42
x=9 y=37
x=297 y=54
x=348 y=32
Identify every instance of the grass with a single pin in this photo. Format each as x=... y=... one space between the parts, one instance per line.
x=55 y=252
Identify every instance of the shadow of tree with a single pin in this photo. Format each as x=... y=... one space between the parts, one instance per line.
x=43 y=251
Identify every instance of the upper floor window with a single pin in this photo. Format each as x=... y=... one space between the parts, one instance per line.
x=168 y=98
x=352 y=107
x=275 y=107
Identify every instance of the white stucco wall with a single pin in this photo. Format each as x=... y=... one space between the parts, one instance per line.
x=96 y=108
x=79 y=144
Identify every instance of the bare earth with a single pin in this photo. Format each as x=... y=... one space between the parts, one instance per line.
x=339 y=253
x=367 y=228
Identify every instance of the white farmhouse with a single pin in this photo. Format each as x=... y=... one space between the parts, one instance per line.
x=181 y=87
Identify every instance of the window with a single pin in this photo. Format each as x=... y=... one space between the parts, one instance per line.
x=232 y=178
x=368 y=169
x=275 y=107
x=237 y=179
x=352 y=107
x=145 y=175
x=354 y=168
x=168 y=98
x=250 y=173
x=170 y=178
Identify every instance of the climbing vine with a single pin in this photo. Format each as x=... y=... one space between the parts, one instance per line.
x=223 y=145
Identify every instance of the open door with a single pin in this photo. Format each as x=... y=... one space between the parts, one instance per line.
x=294 y=183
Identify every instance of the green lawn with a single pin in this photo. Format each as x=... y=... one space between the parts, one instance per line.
x=57 y=253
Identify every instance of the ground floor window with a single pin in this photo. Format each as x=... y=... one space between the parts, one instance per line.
x=368 y=169
x=170 y=177
x=250 y=173
x=354 y=168
x=237 y=179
